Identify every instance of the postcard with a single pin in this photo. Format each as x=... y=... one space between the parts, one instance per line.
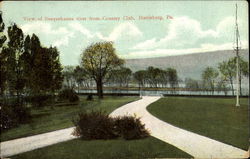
x=124 y=79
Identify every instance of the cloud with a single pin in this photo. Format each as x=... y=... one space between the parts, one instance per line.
x=182 y=31
x=64 y=40
x=148 y=44
x=42 y=29
x=124 y=29
x=174 y=52
x=78 y=27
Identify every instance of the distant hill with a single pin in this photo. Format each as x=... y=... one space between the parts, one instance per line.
x=186 y=65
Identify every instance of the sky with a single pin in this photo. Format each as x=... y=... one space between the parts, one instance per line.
x=139 y=29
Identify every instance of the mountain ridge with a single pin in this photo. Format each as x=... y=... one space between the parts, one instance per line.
x=188 y=65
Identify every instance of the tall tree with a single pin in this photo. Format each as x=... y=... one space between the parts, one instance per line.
x=42 y=67
x=15 y=50
x=209 y=76
x=99 y=59
x=3 y=57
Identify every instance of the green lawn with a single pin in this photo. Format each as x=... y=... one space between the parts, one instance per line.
x=217 y=118
x=106 y=149
x=59 y=117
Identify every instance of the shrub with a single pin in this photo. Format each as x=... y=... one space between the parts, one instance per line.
x=90 y=97
x=68 y=94
x=94 y=125
x=39 y=100
x=98 y=125
x=12 y=114
x=130 y=127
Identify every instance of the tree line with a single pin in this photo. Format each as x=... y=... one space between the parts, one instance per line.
x=152 y=77
x=221 y=78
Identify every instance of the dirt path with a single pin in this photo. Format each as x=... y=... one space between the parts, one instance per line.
x=194 y=144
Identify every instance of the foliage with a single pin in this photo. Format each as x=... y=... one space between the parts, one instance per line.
x=228 y=70
x=39 y=100
x=172 y=77
x=94 y=125
x=130 y=127
x=81 y=77
x=68 y=94
x=156 y=77
x=98 y=125
x=209 y=76
x=140 y=77
x=68 y=74
x=192 y=83
x=60 y=117
x=121 y=76
x=28 y=67
x=43 y=70
x=99 y=59
x=3 y=56
x=12 y=114
x=15 y=73
x=89 y=97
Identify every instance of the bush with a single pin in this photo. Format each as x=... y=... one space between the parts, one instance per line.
x=12 y=114
x=98 y=125
x=68 y=94
x=130 y=127
x=94 y=125
x=90 y=97
x=38 y=100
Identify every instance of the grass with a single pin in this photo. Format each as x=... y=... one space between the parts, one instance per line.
x=58 y=117
x=108 y=149
x=217 y=118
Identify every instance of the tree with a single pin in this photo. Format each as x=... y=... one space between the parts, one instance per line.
x=209 y=76
x=15 y=76
x=191 y=83
x=3 y=57
x=42 y=67
x=244 y=70
x=222 y=85
x=228 y=71
x=172 y=77
x=154 y=76
x=140 y=77
x=79 y=76
x=99 y=59
x=121 y=76
x=68 y=74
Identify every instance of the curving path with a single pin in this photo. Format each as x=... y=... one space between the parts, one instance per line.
x=194 y=144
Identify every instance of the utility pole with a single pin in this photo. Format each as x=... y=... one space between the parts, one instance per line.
x=237 y=36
